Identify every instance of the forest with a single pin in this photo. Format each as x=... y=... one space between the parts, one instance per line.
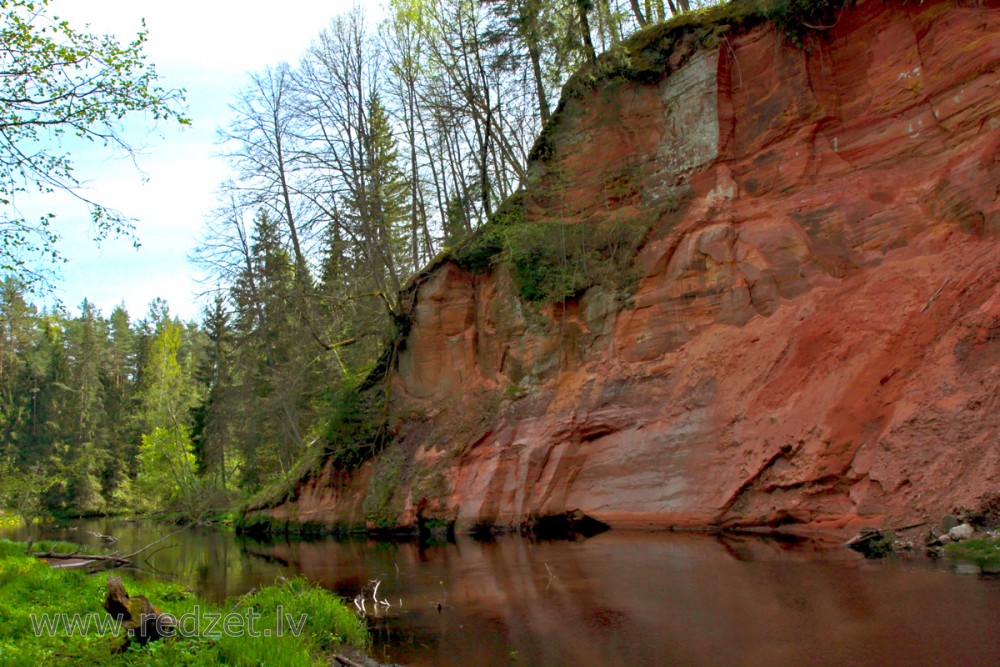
x=350 y=170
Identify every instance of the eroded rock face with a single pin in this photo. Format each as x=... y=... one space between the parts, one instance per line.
x=814 y=341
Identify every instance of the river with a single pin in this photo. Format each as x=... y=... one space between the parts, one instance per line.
x=619 y=598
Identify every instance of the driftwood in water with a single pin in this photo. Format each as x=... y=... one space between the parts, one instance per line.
x=114 y=559
x=144 y=622
x=110 y=539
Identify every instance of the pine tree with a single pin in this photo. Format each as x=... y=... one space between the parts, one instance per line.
x=87 y=452
x=377 y=209
x=18 y=384
x=272 y=362
x=211 y=417
x=120 y=405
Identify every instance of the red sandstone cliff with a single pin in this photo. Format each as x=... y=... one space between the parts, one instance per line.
x=814 y=341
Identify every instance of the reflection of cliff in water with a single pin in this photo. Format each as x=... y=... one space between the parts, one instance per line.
x=620 y=598
x=644 y=599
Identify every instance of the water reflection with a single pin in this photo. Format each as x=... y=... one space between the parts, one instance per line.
x=208 y=560
x=619 y=598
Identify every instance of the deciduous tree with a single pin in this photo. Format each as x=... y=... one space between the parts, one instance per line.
x=59 y=85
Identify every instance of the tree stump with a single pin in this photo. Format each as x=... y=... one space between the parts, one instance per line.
x=136 y=614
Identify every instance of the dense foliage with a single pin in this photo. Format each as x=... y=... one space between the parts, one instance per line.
x=95 y=410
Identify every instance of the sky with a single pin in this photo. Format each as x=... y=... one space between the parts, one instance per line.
x=209 y=48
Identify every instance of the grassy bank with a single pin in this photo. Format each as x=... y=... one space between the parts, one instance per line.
x=313 y=624
x=982 y=551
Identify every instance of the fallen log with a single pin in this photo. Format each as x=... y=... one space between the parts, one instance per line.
x=136 y=614
x=115 y=559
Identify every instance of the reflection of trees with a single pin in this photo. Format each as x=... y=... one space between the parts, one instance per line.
x=209 y=560
x=618 y=598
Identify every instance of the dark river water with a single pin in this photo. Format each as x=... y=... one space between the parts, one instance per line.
x=619 y=598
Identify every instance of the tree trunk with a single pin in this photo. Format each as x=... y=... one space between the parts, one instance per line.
x=638 y=13
x=414 y=180
x=536 y=70
x=484 y=176
x=588 y=44
x=137 y=614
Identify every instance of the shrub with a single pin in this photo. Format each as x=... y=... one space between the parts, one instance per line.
x=355 y=425
x=480 y=251
x=555 y=261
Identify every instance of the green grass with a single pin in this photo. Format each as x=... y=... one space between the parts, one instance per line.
x=556 y=260
x=28 y=586
x=283 y=487
x=983 y=551
x=57 y=546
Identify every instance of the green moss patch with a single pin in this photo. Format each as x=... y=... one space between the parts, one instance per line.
x=552 y=262
x=379 y=505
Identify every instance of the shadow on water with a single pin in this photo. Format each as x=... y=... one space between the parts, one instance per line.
x=618 y=598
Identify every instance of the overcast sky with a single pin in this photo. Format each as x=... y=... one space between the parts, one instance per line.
x=207 y=47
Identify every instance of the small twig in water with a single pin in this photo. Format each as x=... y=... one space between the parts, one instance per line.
x=151 y=544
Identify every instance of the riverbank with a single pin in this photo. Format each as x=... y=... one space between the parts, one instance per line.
x=54 y=617
x=224 y=517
